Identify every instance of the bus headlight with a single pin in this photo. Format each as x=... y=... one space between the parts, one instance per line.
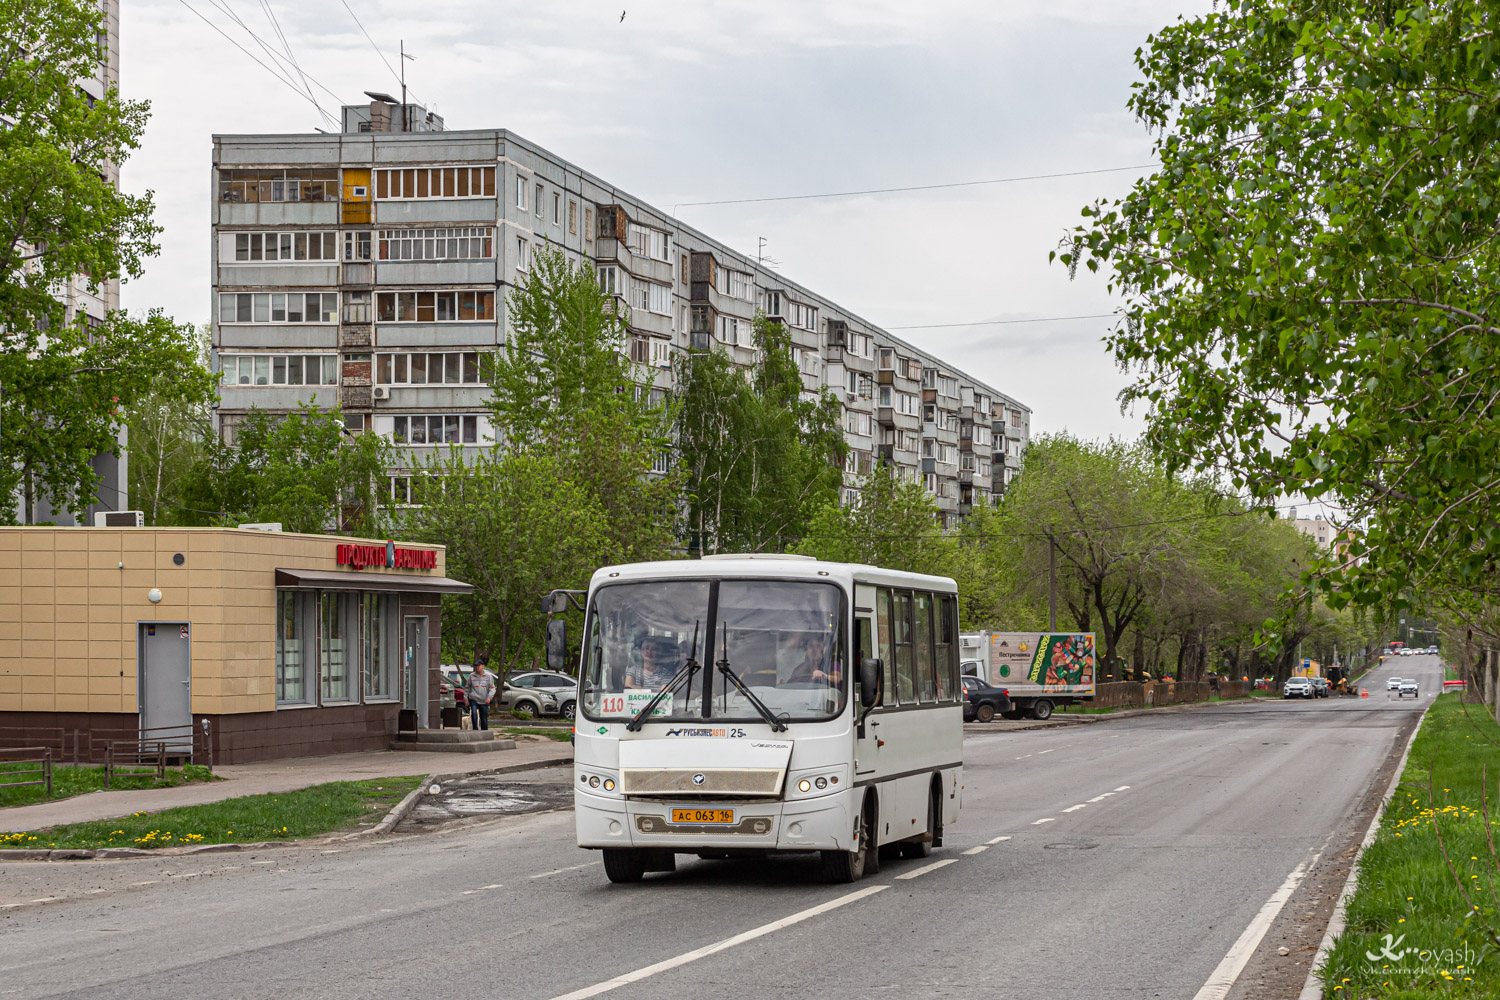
x=594 y=781
x=804 y=785
x=609 y=784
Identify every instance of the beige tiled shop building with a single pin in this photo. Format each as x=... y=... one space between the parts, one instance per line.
x=285 y=644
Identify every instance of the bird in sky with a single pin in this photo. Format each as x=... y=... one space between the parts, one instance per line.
x=622 y=15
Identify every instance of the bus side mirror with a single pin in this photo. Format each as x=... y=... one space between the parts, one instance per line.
x=557 y=645
x=869 y=681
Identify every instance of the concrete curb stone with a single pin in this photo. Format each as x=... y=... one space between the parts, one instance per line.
x=1312 y=989
x=397 y=813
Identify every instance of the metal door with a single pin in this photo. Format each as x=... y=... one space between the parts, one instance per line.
x=164 y=682
x=414 y=666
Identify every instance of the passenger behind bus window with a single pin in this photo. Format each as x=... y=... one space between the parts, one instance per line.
x=814 y=667
x=660 y=660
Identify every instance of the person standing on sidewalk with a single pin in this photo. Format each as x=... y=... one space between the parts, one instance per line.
x=480 y=693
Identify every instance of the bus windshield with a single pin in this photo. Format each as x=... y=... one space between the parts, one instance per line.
x=782 y=639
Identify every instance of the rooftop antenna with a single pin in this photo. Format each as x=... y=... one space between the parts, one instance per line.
x=761 y=257
x=405 y=114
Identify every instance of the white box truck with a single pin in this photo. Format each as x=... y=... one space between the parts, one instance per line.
x=1041 y=670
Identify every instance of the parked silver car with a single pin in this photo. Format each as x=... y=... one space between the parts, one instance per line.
x=541 y=692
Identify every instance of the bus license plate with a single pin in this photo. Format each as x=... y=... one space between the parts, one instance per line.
x=725 y=816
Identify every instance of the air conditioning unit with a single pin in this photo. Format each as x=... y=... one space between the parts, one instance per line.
x=119 y=519
x=852 y=397
x=382 y=392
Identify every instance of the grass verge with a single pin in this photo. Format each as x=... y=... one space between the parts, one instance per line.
x=1419 y=925
x=68 y=781
x=559 y=733
x=307 y=812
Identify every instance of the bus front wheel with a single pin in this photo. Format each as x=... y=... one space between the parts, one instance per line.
x=849 y=866
x=624 y=864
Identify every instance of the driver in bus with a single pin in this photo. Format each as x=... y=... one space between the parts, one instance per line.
x=660 y=661
x=814 y=667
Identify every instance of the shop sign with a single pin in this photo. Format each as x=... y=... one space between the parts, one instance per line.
x=387 y=555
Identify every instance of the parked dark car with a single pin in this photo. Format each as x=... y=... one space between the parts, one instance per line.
x=982 y=702
x=1321 y=687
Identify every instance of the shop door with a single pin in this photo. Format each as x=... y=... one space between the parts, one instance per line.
x=164 y=686
x=414 y=667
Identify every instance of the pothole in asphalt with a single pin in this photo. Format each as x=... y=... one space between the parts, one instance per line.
x=1069 y=847
x=487 y=795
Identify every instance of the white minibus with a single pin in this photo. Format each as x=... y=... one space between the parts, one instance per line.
x=751 y=704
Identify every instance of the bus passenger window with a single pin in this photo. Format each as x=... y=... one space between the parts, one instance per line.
x=945 y=622
x=922 y=644
x=887 y=649
x=906 y=691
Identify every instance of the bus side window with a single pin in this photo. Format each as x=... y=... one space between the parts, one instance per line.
x=946 y=627
x=887 y=649
x=922 y=645
x=906 y=689
x=864 y=648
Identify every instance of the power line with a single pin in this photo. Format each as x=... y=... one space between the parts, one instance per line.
x=914 y=187
x=295 y=89
x=375 y=47
x=224 y=7
x=999 y=322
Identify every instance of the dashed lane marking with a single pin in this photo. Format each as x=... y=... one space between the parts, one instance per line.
x=978 y=850
x=1081 y=805
x=571 y=868
x=470 y=892
x=712 y=949
x=1123 y=788
x=1049 y=819
x=1223 y=977
x=928 y=868
x=996 y=840
x=1024 y=756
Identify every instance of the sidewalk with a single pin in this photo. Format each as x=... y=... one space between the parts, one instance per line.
x=280 y=776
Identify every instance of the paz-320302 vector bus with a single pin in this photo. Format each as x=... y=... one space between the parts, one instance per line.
x=742 y=705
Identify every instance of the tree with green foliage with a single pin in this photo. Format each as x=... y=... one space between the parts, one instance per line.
x=63 y=384
x=303 y=469
x=760 y=454
x=893 y=523
x=1309 y=276
x=562 y=387
x=515 y=527
x=169 y=436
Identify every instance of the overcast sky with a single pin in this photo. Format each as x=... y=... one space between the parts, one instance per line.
x=699 y=101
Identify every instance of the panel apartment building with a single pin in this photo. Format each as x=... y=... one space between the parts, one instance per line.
x=370 y=269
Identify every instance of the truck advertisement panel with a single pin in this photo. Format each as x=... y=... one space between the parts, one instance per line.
x=1031 y=663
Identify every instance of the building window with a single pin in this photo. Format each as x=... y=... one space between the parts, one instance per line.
x=434 y=307
x=435 y=182
x=279 y=369
x=651 y=297
x=522 y=258
x=661 y=354
x=357 y=246
x=572 y=216
x=357 y=307
x=278 y=185
x=437 y=428
x=381 y=626
x=556 y=208
x=291 y=647
x=609 y=281
x=338 y=624
x=447 y=368
x=647 y=242
x=537 y=201
x=278 y=307
x=521 y=192
x=588 y=225
x=251 y=247
x=401 y=490
x=459 y=243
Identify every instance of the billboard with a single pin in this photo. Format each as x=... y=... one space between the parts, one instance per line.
x=1032 y=663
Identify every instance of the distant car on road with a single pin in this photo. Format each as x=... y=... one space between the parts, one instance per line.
x=1321 y=687
x=1408 y=687
x=1393 y=683
x=1298 y=687
x=983 y=702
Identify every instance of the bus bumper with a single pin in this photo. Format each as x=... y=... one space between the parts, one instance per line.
x=820 y=823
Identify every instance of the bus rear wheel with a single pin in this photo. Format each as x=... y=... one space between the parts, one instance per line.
x=849 y=866
x=922 y=847
x=624 y=864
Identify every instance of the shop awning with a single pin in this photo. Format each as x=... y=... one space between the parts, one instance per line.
x=309 y=579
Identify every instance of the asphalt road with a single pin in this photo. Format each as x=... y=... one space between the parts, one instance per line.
x=1123 y=858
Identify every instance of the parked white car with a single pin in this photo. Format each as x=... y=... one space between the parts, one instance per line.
x=1298 y=687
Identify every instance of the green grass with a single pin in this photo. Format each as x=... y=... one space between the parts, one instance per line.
x=559 y=733
x=69 y=781
x=307 y=812
x=1084 y=710
x=1406 y=887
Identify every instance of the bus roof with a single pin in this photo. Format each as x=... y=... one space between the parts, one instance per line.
x=770 y=565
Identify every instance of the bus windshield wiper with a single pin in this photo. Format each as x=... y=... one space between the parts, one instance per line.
x=777 y=726
x=689 y=668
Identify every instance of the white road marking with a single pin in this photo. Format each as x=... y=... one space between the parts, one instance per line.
x=1222 y=979
x=1123 y=788
x=150 y=882
x=1023 y=756
x=1072 y=809
x=1049 y=819
x=978 y=850
x=929 y=868
x=1040 y=752
x=44 y=899
x=470 y=892
x=718 y=946
x=996 y=840
x=572 y=868
x=1101 y=798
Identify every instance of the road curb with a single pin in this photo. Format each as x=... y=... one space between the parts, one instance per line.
x=1312 y=989
x=397 y=813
